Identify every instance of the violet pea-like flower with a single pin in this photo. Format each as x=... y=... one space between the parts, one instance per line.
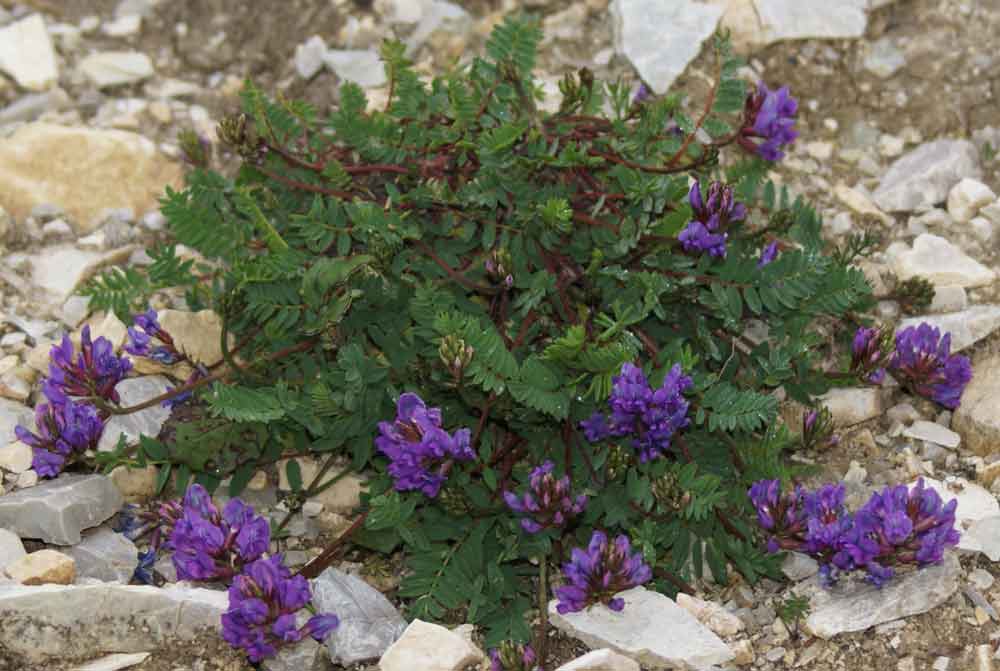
x=63 y=427
x=710 y=218
x=420 y=452
x=264 y=601
x=210 y=546
x=923 y=363
x=769 y=116
x=548 y=503
x=95 y=371
x=599 y=572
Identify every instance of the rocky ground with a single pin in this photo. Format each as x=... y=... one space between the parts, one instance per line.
x=900 y=131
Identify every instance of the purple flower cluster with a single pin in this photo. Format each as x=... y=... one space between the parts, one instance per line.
x=67 y=424
x=769 y=116
x=548 y=503
x=263 y=603
x=420 y=452
x=512 y=656
x=923 y=363
x=650 y=416
x=64 y=427
x=94 y=372
x=706 y=232
x=596 y=574
x=897 y=526
x=210 y=546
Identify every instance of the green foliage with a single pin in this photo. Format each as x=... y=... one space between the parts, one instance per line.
x=504 y=263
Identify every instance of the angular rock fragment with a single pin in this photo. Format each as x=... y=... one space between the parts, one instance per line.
x=104 y=555
x=369 y=624
x=56 y=511
x=652 y=629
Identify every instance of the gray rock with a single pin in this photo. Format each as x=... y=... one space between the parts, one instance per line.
x=309 y=57
x=852 y=405
x=966 y=327
x=11 y=548
x=306 y=655
x=47 y=621
x=661 y=38
x=435 y=15
x=369 y=624
x=798 y=566
x=883 y=58
x=981 y=579
x=601 y=660
x=652 y=629
x=856 y=605
x=56 y=511
x=804 y=19
x=31 y=106
x=114 y=68
x=924 y=176
x=982 y=536
x=13 y=413
x=146 y=422
x=104 y=555
x=363 y=67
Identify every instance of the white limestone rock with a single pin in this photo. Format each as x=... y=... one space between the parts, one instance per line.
x=805 y=19
x=661 y=38
x=147 y=422
x=429 y=647
x=652 y=630
x=115 y=68
x=57 y=511
x=924 y=176
x=27 y=54
x=966 y=327
x=967 y=197
x=941 y=263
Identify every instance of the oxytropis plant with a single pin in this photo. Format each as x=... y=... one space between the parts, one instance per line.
x=529 y=328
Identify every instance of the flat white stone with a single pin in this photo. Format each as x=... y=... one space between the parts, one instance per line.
x=977 y=516
x=661 y=38
x=652 y=629
x=967 y=197
x=966 y=327
x=804 y=19
x=114 y=68
x=982 y=536
x=933 y=432
x=48 y=621
x=923 y=177
x=16 y=457
x=11 y=548
x=941 y=262
x=369 y=623
x=27 y=55
x=115 y=662
x=711 y=614
x=949 y=299
x=429 y=647
x=104 y=555
x=362 y=67
x=601 y=660
x=852 y=405
x=854 y=605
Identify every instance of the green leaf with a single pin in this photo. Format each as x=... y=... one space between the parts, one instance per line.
x=294 y=474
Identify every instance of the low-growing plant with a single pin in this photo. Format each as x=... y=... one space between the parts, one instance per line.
x=530 y=328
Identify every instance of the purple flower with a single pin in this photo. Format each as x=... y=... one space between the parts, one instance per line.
x=142 y=335
x=706 y=232
x=263 y=602
x=870 y=353
x=642 y=94
x=95 y=371
x=923 y=363
x=512 y=656
x=596 y=574
x=769 y=116
x=768 y=254
x=782 y=516
x=651 y=417
x=64 y=427
x=817 y=429
x=209 y=546
x=144 y=567
x=548 y=503
x=420 y=452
